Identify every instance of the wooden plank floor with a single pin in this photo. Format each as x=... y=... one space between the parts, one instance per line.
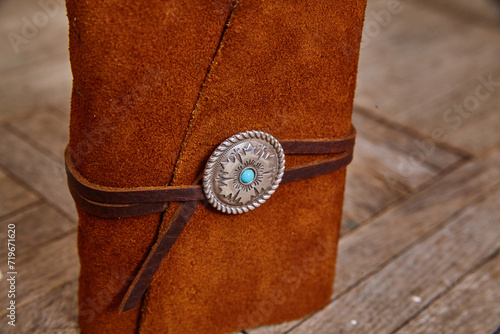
x=420 y=245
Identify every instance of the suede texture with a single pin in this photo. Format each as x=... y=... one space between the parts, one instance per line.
x=137 y=71
x=288 y=68
x=158 y=85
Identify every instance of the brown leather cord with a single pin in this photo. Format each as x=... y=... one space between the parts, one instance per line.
x=104 y=210
x=160 y=197
x=110 y=202
x=111 y=195
x=320 y=146
x=184 y=212
x=158 y=252
x=317 y=168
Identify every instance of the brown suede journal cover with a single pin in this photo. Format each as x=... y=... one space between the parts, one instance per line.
x=158 y=85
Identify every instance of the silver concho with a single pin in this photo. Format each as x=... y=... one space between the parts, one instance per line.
x=243 y=172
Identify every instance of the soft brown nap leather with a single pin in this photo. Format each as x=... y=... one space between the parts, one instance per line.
x=137 y=68
x=140 y=117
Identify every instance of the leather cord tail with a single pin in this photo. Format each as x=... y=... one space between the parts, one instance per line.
x=158 y=252
x=111 y=202
x=184 y=212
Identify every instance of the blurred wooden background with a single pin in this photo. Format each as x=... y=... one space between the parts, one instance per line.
x=420 y=246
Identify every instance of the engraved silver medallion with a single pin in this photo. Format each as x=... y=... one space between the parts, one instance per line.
x=243 y=172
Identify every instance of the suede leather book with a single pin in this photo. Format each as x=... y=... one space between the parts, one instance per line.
x=157 y=87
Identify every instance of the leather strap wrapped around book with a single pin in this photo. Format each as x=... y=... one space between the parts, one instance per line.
x=113 y=202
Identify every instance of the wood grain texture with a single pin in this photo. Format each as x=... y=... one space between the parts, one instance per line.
x=370 y=147
x=43 y=174
x=44 y=84
x=14 y=196
x=35 y=226
x=470 y=307
x=45 y=129
x=383 y=238
x=392 y=138
x=48 y=35
x=479 y=133
x=478 y=11
x=374 y=182
x=55 y=312
x=42 y=270
x=274 y=329
x=417 y=64
x=416 y=277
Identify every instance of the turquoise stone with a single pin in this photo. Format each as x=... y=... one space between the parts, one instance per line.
x=247 y=176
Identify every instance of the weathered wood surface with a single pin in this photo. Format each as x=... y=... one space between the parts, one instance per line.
x=477 y=11
x=472 y=306
x=46 y=129
x=54 y=313
x=36 y=225
x=41 y=270
x=35 y=86
x=416 y=276
x=42 y=173
x=420 y=62
x=419 y=249
x=43 y=41
x=374 y=183
x=14 y=195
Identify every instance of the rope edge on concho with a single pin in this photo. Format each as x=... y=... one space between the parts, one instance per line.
x=207 y=187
